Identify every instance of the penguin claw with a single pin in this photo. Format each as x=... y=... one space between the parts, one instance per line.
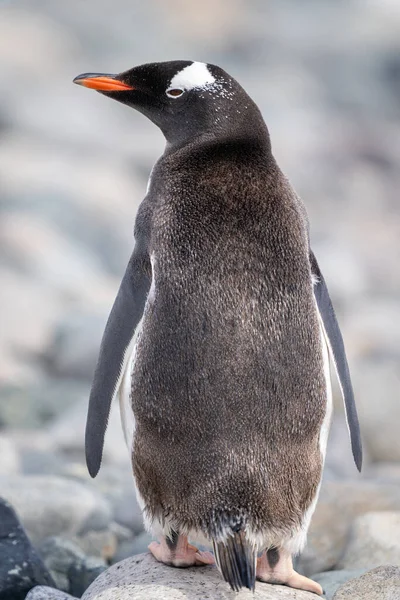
x=185 y=555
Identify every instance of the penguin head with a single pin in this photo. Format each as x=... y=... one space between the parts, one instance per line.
x=185 y=99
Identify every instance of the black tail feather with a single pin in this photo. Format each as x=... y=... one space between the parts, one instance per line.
x=236 y=559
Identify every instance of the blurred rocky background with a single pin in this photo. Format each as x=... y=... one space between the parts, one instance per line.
x=73 y=169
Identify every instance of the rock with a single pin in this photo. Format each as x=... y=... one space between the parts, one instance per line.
x=39 y=403
x=117 y=486
x=50 y=506
x=68 y=433
x=374 y=540
x=377 y=380
x=339 y=504
x=98 y=543
x=59 y=555
x=10 y=463
x=339 y=463
x=72 y=571
x=383 y=472
x=382 y=583
x=42 y=592
x=133 y=547
x=142 y=577
x=20 y=566
x=332 y=580
x=74 y=349
x=81 y=576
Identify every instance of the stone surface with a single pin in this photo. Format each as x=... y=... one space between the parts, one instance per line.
x=339 y=504
x=382 y=583
x=50 y=506
x=374 y=540
x=42 y=592
x=20 y=566
x=142 y=577
x=332 y=580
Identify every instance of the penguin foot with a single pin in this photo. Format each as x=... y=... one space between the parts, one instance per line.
x=181 y=554
x=275 y=566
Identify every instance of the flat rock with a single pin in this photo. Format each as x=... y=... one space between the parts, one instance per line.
x=382 y=583
x=42 y=592
x=374 y=541
x=50 y=505
x=332 y=580
x=20 y=566
x=339 y=504
x=142 y=577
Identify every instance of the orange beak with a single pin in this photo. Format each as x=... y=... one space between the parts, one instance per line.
x=102 y=83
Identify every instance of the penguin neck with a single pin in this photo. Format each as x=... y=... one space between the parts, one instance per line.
x=256 y=137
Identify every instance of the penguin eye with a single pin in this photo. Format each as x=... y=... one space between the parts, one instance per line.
x=174 y=92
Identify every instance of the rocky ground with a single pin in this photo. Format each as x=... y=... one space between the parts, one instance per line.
x=73 y=168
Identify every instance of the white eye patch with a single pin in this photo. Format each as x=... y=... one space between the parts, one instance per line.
x=192 y=77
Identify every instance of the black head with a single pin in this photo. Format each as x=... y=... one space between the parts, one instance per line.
x=185 y=99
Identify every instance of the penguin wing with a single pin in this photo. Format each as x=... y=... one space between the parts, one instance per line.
x=338 y=355
x=125 y=315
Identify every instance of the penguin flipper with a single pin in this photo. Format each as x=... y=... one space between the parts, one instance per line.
x=338 y=355
x=114 y=353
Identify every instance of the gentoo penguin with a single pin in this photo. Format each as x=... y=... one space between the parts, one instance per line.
x=219 y=340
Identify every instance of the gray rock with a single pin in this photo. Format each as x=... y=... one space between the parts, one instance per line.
x=101 y=543
x=339 y=463
x=74 y=349
x=382 y=583
x=72 y=571
x=378 y=379
x=42 y=592
x=374 y=541
x=51 y=506
x=117 y=486
x=10 y=462
x=142 y=577
x=39 y=403
x=332 y=580
x=68 y=434
x=138 y=545
x=20 y=566
x=339 y=504
x=59 y=555
x=383 y=472
x=81 y=576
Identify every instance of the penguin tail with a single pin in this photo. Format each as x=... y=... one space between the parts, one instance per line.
x=236 y=560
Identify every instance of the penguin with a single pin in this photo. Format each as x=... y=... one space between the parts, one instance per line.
x=219 y=342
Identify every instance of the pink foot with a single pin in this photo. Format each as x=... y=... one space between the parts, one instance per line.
x=182 y=554
x=275 y=566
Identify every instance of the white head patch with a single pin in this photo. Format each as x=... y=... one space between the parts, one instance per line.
x=194 y=76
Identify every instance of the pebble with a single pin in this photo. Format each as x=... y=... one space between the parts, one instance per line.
x=382 y=583
x=141 y=577
x=374 y=540
x=20 y=566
